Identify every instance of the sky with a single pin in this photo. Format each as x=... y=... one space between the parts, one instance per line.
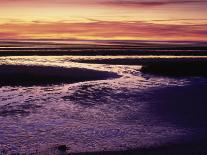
x=104 y=19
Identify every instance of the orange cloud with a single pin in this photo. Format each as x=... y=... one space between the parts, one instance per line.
x=103 y=30
x=9 y=35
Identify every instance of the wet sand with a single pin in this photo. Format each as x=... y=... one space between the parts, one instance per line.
x=183 y=106
x=188 y=67
x=160 y=66
x=174 y=149
x=16 y=75
x=93 y=48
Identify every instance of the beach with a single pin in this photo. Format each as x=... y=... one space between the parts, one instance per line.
x=18 y=75
x=95 y=100
x=103 y=77
x=112 y=106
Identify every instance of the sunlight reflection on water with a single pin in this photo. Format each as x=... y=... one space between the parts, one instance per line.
x=87 y=116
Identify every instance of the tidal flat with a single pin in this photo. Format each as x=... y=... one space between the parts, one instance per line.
x=121 y=105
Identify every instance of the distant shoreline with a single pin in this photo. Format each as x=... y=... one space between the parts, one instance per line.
x=98 y=47
x=103 y=51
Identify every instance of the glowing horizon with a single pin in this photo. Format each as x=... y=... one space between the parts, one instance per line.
x=104 y=19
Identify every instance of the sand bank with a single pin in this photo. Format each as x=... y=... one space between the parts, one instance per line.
x=41 y=75
x=161 y=66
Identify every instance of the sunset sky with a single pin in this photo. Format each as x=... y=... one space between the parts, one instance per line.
x=104 y=19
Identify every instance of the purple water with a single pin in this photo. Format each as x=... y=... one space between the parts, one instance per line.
x=88 y=116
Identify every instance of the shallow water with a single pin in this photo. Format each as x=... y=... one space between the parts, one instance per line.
x=97 y=115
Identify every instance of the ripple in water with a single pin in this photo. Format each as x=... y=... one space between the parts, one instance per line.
x=87 y=116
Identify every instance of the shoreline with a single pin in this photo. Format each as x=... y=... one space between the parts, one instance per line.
x=101 y=51
x=188 y=96
x=172 y=67
x=176 y=69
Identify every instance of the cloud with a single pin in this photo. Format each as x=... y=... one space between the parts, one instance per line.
x=9 y=35
x=104 y=30
x=149 y=3
x=102 y=2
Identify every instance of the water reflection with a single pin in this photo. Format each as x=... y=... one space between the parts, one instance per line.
x=86 y=116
